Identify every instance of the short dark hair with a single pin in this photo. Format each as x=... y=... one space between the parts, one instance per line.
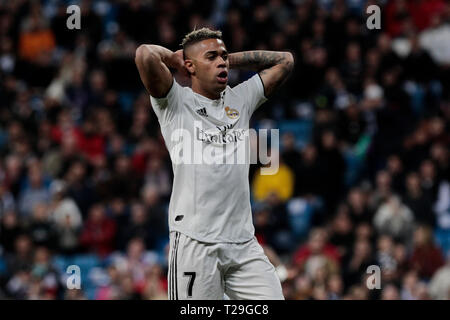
x=200 y=35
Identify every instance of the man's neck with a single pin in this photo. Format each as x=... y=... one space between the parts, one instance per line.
x=210 y=95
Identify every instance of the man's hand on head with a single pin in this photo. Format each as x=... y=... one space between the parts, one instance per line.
x=176 y=60
x=182 y=74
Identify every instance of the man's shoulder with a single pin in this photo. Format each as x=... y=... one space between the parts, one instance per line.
x=176 y=96
x=181 y=90
x=253 y=85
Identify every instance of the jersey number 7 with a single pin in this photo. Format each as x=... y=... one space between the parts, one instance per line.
x=190 y=282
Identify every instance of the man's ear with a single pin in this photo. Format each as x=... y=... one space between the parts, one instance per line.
x=189 y=66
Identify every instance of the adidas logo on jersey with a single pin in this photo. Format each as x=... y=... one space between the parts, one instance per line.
x=202 y=112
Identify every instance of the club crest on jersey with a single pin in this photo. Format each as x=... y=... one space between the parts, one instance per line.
x=231 y=113
x=202 y=112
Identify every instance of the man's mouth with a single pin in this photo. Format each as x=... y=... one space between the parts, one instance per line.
x=222 y=77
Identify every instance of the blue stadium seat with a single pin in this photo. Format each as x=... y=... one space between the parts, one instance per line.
x=90 y=292
x=126 y=101
x=442 y=238
x=353 y=168
x=87 y=261
x=3 y=268
x=301 y=129
x=300 y=213
x=61 y=263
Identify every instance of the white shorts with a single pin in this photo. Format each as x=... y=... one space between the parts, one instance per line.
x=208 y=271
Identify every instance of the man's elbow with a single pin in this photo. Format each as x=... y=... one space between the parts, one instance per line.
x=289 y=60
x=139 y=53
x=143 y=53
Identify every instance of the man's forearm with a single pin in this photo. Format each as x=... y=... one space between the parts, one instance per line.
x=273 y=67
x=153 y=63
x=157 y=52
x=258 y=60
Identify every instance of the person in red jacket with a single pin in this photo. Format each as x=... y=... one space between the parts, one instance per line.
x=317 y=245
x=98 y=232
x=426 y=257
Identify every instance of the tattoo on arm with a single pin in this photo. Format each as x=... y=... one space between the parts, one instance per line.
x=272 y=66
x=256 y=60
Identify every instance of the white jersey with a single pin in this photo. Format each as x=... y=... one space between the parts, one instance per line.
x=210 y=199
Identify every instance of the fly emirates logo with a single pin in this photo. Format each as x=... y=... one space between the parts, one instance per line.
x=225 y=145
x=221 y=134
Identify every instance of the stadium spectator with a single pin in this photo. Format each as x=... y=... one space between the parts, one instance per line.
x=395 y=219
x=418 y=202
x=98 y=232
x=390 y=292
x=22 y=258
x=36 y=38
x=316 y=252
x=44 y=277
x=440 y=282
x=358 y=206
x=10 y=230
x=41 y=228
x=137 y=226
x=34 y=192
x=290 y=153
x=66 y=217
x=426 y=258
x=281 y=183
x=357 y=263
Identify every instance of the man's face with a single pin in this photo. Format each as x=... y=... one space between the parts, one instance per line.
x=207 y=61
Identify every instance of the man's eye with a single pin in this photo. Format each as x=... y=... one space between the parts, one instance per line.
x=225 y=57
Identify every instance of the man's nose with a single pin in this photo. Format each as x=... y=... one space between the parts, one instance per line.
x=222 y=62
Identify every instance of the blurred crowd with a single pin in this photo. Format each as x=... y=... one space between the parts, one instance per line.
x=85 y=178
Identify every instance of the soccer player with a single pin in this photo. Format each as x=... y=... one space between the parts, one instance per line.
x=213 y=250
